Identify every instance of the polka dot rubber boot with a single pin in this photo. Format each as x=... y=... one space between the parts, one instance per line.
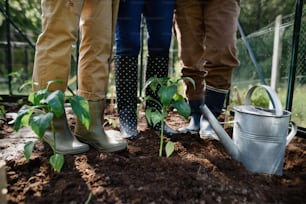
x=157 y=67
x=126 y=72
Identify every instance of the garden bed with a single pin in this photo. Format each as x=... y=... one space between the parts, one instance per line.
x=199 y=171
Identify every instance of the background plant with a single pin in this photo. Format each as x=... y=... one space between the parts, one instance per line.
x=39 y=116
x=169 y=96
x=2 y=111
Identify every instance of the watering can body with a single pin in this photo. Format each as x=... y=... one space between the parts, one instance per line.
x=260 y=135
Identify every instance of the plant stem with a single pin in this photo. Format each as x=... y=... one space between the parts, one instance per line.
x=54 y=137
x=162 y=124
x=161 y=138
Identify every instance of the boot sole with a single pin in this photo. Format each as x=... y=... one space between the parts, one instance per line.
x=105 y=150
x=212 y=137
x=191 y=131
x=67 y=152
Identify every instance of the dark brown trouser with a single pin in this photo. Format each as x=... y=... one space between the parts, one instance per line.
x=206 y=37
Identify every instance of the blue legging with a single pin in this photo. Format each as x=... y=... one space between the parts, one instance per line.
x=158 y=17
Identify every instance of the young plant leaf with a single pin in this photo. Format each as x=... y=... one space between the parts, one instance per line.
x=153 y=116
x=182 y=108
x=152 y=83
x=166 y=93
x=52 y=82
x=150 y=98
x=23 y=116
x=37 y=97
x=80 y=107
x=40 y=122
x=26 y=84
x=169 y=148
x=56 y=102
x=28 y=149
x=57 y=162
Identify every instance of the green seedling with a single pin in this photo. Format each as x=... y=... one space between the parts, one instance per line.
x=19 y=80
x=45 y=106
x=169 y=96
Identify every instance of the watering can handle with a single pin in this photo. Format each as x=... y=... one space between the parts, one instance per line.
x=272 y=95
x=292 y=133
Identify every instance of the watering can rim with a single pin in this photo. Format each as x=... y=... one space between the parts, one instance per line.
x=264 y=112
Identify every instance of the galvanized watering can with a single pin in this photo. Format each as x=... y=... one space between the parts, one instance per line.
x=260 y=135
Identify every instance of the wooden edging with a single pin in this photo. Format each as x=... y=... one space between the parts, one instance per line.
x=3 y=183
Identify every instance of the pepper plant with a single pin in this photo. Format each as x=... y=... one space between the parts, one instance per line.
x=169 y=96
x=46 y=105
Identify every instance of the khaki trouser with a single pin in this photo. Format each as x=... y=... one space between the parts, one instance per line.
x=60 y=22
x=206 y=37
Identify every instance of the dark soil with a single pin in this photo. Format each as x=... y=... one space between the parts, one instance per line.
x=199 y=171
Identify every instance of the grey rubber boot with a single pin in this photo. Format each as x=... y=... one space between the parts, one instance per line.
x=126 y=72
x=95 y=136
x=214 y=100
x=195 y=117
x=65 y=141
x=157 y=67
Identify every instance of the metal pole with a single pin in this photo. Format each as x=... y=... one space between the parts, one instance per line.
x=8 y=46
x=141 y=71
x=16 y=27
x=250 y=51
x=294 y=52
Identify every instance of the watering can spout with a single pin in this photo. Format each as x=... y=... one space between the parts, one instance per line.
x=225 y=139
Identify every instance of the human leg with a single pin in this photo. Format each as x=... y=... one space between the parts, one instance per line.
x=126 y=65
x=221 y=56
x=158 y=15
x=53 y=48
x=126 y=91
x=52 y=62
x=97 y=28
x=188 y=19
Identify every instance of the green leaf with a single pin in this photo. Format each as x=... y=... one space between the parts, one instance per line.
x=56 y=102
x=23 y=116
x=80 y=107
x=152 y=83
x=52 y=82
x=37 y=97
x=178 y=97
x=166 y=93
x=182 y=108
x=57 y=162
x=28 y=149
x=154 y=117
x=150 y=98
x=40 y=123
x=22 y=87
x=169 y=148
x=31 y=97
